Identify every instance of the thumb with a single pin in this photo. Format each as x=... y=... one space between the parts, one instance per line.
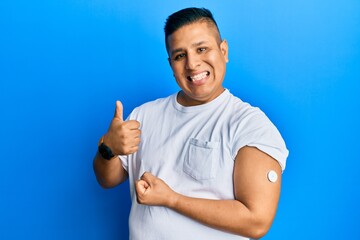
x=147 y=177
x=119 y=111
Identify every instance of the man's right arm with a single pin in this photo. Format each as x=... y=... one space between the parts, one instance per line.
x=109 y=173
x=123 y=138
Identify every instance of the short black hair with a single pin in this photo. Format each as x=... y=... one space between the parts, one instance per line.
x=187 y=16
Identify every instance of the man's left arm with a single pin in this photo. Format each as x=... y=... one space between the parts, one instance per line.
x=250 y=214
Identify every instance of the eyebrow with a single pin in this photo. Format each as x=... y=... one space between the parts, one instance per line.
x=177 y=50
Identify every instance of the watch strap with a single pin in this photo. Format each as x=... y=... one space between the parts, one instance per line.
x=104 y=150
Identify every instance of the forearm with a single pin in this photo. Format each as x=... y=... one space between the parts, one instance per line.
x=109 y=173
x=250 y=214
x=227 y=215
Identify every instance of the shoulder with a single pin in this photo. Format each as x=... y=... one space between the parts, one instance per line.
x=244 y=113
x=154 y=106
x=251 y=127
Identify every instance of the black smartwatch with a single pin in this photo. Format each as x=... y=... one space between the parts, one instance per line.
x=105 y=151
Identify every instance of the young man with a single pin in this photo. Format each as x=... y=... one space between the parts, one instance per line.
x=207 y=165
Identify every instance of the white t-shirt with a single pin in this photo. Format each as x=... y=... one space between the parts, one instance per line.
x=193 y=150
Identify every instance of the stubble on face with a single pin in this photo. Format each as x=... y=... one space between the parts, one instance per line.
x=198 y=59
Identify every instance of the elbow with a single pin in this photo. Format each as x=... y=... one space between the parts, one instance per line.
x=259 y=232
x=253 y=229
x=106 y=184
x=255 y=225
x=260 y=228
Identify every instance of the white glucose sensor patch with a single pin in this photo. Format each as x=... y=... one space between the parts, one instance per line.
x=272 y=176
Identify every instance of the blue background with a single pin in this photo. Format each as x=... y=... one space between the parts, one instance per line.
x=63 y=64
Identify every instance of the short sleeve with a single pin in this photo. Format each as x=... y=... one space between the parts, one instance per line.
x=124 y=162
x=256 y=130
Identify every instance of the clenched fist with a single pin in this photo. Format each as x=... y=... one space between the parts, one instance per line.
x=123 y=137
x=151 y=190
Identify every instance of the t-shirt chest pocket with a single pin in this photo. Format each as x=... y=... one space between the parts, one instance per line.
x=202 y=160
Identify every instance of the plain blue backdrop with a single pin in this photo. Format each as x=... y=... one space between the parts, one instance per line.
x=63 y=64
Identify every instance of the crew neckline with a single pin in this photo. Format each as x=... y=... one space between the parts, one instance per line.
x=217 y=101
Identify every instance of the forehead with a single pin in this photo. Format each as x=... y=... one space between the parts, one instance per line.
x=201 y=31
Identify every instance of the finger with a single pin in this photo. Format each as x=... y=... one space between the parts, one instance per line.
x=130 y=137
x=119 y=111
x=144 y=184
x=134 y=143
x=148 y=177
x=133 y=149
x=132 y=124
x=141 y=186
x=133 y=134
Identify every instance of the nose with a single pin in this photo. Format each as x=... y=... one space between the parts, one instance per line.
x=192 y=61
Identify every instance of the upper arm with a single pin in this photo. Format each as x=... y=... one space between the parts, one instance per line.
x=252 y=186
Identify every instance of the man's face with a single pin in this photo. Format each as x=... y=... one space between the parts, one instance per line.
x=198 y=60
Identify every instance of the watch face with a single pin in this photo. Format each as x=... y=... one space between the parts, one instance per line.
x=105 y=151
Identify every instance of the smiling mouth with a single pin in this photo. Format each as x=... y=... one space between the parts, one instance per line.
x=198 y=77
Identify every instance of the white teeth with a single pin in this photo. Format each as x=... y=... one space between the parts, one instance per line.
x=199 y=76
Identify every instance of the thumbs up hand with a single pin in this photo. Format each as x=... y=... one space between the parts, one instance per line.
x=123 y=137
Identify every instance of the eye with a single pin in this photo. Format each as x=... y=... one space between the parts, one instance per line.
x=179 y=56
x=202 y=49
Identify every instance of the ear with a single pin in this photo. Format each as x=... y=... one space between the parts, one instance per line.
x=169 y=60
x=224 y=49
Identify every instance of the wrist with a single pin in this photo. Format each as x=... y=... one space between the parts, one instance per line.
x=173 y=200
x=104 y=150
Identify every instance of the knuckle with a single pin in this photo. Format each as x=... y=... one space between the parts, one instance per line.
x=135 y=149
